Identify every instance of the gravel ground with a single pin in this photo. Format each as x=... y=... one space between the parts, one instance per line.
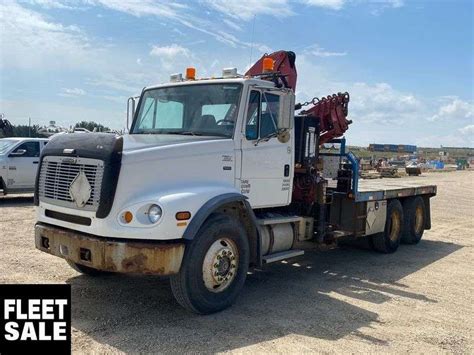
x=344 y=300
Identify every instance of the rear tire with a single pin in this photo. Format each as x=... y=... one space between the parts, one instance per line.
x=415 y=219
x=86 y=270
x=214 y=267
x=389 y=240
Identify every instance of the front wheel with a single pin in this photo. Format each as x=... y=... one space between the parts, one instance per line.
x=214 y=268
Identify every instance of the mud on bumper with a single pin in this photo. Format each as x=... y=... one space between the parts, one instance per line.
x=107 y=254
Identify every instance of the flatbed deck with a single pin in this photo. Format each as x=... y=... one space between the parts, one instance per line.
x=381 y=189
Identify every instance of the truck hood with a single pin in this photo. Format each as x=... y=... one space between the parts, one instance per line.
x=136 y=142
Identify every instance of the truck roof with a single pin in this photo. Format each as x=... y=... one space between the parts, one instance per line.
x=239 y=80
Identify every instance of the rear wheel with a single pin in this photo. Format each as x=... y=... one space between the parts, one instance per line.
x=415 y=219
x=389 y=240
x=214 y=267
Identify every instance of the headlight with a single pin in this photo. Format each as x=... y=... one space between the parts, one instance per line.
x=154 y=213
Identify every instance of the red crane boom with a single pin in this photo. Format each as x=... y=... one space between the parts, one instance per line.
x=331 y=111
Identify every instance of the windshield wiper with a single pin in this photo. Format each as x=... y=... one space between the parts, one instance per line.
x=184 y=133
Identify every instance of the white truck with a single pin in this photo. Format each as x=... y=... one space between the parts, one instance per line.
x=19 y=161
x=216 y=176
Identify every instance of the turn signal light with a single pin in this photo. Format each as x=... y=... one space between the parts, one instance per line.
x=183 y=215
x=267 y=64
x=191 y=73
x=127 y=217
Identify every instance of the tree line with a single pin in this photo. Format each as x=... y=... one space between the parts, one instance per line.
x=32 y=131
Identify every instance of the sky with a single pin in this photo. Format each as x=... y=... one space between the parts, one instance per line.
x=407 y=64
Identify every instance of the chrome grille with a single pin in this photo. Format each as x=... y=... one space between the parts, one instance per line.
x=57 y=174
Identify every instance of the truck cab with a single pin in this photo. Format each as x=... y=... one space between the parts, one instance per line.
x=215 y=176
x=19 y=160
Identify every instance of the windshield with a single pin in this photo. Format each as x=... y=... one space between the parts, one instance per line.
x=5 y=145
x=208 y=109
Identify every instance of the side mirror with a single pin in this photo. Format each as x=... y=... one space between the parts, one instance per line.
x=131 y=105
x=287 y=111
x=18 y=153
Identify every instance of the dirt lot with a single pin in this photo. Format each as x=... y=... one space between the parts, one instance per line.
x=345 y=300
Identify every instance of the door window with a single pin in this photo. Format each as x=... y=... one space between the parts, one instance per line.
x=32 y=150
x=253 y=114
x=262 y=115
x=269 y=114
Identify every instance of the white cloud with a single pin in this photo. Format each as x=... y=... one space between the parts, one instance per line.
x=141 y=7
x=53 y=4
x=127 y=83
x=468 y=130
x=392 y=3
x=232 y=24
x=178 y=13
x=381 y=103
x=378 y=103
x=318 y=51
x=330 y=4
x=74 y=92
x=247 y=9
x=30 y=40
x=455 y=110
x=170 y=51
x=171 y=56
x=448 y=139
x=379 y=6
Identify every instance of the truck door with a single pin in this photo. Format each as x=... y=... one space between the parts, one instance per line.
x=266 y=162
x=22 y=165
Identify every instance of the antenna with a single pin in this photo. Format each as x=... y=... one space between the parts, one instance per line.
x=251 y=40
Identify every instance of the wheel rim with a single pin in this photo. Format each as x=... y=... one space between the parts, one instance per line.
x=395 y=224
x=220 y=265
x=419 y=219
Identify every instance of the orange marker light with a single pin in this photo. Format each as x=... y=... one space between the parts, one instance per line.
x=127 y=217
x=183 y=215
x=267 y=64
x=191 y=73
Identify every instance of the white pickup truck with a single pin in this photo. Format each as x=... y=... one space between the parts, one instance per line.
x=19 y=158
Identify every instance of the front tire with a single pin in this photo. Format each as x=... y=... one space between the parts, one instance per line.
x=214 y=267
x=389 y=240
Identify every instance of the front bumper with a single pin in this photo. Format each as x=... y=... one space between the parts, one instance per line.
x=108 y=254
